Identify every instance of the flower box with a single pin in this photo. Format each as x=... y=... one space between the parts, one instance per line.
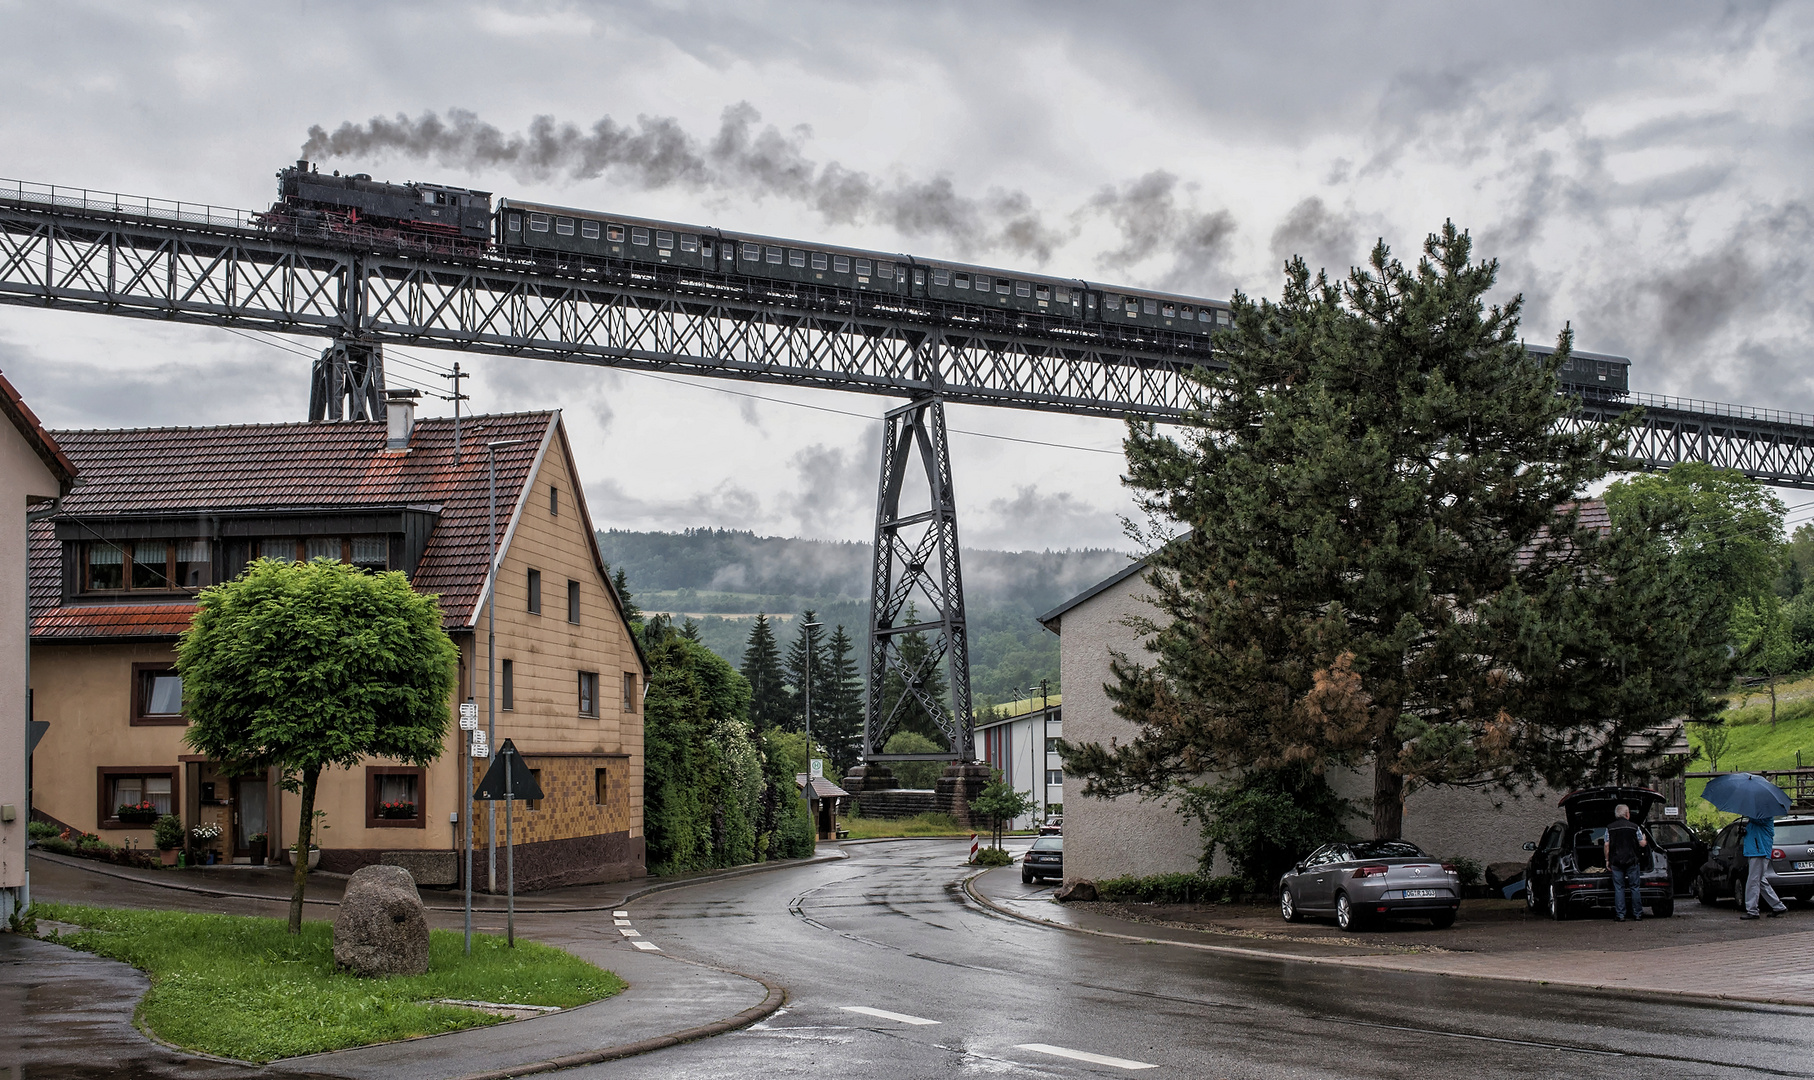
x=397 y=810
x=137 y=813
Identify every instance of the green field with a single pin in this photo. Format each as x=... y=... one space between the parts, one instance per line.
x=1754 y=744
x=245 y=988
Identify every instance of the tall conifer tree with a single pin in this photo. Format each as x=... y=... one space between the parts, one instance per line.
x=841 y=730
x=762 y=667
x=809 y=639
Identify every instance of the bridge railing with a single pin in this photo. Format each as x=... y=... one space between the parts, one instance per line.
x=1719 y=408
x=88 y=200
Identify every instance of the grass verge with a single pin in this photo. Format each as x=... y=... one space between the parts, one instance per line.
x=244 y=988
x=863 y=828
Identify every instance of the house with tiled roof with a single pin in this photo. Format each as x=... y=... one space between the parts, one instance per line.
x=163 y=513
x=34 y=473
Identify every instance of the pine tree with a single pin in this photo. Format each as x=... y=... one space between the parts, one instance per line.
x=1358 y=569
x=841 y=729
x=912 y=715
x=809 y=640
x=762 y=668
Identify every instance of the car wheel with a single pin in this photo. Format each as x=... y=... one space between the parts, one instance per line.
x=1443 y=920
x=1288 y=906
x=1663 y=909
x=1346 y=916
x=1531 y=904
x=1702 y=894
x=1026 y=878
x=1558 y=904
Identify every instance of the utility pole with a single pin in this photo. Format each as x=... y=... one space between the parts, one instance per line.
x=491 y=649
x=806 y=646
x=456 y=397
x=1045 y=738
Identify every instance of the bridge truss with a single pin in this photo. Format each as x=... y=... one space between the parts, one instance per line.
x=82 y=250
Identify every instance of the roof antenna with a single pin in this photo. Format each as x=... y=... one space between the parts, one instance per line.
x=456 y=397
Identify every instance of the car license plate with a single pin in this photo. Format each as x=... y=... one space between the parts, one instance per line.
x=1418 y=894
x=1805 y=865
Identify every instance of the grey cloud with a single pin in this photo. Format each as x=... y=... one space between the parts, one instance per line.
x=1017 y=523
x=1154 y=223
x=743 y=156
x=1327 y=239
x=834 y=485
x=269 y=385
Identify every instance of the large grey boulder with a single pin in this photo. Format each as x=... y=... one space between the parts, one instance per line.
x=382 y=928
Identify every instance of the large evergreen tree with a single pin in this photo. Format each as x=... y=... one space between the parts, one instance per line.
x=840 y=725
x=762 y=668
x=911 y=715
x=1365 y=512
x=808 y=641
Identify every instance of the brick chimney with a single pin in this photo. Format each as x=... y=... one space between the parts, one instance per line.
x=400 y=415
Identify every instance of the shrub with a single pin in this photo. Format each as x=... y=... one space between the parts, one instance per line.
x=1471 y=871
x=1266 y=820
x=42 y=830
x=917 y=775
x=58 y=845
x=1172 y=889
x=167 y=832
x=992 y=856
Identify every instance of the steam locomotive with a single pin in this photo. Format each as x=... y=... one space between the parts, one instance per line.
x=440 y=220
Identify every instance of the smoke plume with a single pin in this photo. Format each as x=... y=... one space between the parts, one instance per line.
x=744 y=156
x=1153 y=222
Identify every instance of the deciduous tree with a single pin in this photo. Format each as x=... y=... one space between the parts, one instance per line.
x=302 y=666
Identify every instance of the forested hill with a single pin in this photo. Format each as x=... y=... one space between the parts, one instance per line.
x=721 y=578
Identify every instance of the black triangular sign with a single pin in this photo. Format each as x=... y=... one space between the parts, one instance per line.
x=522 y=781
x=34 y=732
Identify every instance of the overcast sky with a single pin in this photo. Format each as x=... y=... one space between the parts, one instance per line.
x=1640 y=171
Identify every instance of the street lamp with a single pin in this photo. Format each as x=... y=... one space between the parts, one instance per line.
x=806 y=646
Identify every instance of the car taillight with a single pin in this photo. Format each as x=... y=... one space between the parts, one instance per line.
x=1369 y=871
x=1449 y=868
x=1777 y=853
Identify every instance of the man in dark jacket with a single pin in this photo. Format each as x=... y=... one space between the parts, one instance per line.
x=1624 y=840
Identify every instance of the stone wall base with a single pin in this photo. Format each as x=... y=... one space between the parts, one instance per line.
x=548 y=864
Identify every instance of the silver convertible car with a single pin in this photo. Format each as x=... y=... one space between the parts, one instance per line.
x=1361 y=881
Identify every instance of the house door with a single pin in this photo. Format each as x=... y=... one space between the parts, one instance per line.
x=248 y=813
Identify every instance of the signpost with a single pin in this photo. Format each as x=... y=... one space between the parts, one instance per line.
x=508 y=779
x=469 y=721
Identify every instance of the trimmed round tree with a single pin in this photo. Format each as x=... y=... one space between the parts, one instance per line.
x=300 y=666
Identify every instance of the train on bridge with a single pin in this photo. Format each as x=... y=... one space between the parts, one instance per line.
x=437 y=219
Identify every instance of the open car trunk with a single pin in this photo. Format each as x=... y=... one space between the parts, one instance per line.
x=1593 y=807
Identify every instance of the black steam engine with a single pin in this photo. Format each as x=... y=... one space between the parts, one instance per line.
x=433 y=219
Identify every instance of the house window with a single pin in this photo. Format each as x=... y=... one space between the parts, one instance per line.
x=150 y=564
x=588 y=693
x=393 y=797
x=535 y=592
x=589 y=229
x=194 y=564
x=1052 y=745
x=106 y=567
x=1054 y=777
x=371 y=553
x=573 y=601
x=554 y=501
x=601 y=787
x=148 y=792
x=157 y=695
x=507 y=687
x=280 y=548
x=629 y=691
x=534 y=804
x=322 y=547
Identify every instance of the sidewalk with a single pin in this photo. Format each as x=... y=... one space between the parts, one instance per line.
x=1700 y=952
x=668 y=1001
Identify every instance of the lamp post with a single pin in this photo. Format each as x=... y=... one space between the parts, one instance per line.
x=491 y=648
x=1045 y=737
x=806 y=646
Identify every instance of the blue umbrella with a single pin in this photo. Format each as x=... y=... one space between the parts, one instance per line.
x=1747 y=794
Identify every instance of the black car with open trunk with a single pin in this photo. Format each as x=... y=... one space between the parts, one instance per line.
x=1567 y=873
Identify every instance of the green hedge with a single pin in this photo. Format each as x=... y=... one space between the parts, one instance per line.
x=1172 y=889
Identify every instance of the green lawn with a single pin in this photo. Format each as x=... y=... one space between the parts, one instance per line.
x=919 y=825
x=1754 y=745
x=244 y=988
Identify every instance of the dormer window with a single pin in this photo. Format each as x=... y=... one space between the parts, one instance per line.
x=146 y=566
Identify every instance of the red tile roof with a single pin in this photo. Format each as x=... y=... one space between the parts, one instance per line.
x=289 y=468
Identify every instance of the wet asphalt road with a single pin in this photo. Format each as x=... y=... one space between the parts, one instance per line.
x=891 y=929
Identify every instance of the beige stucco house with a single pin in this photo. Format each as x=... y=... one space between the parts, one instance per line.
x=165 y=512
x=34 y=472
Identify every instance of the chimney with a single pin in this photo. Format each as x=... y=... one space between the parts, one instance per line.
x=400 y=416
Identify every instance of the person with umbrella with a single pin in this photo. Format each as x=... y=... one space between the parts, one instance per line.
x=1751 y=796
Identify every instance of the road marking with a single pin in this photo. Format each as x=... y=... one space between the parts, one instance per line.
x=647 y=946
x=620 y=914
x=620 y=922
x=1083 y=1055
x=899 y=1018
x=627 y=932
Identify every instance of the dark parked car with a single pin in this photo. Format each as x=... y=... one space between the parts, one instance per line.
x=1791 y=870
x=1364 y=880
x=1687 y=852
x=1045 y=859
x=1567 y=872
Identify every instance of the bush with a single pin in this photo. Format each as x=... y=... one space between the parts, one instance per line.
x=917 y=775
x=1172 y=889
x=41 y=830
x=1266 y=820
x=992 y=856
x=1471 y=871
x=167 y=833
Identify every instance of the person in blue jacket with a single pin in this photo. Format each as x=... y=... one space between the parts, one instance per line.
x=1760 y=838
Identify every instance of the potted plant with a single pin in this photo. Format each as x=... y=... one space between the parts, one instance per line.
x=321 y=826
x=400 y=809
x=143 y=813
x=167 y=834
x=258 y=843
x=205 y=835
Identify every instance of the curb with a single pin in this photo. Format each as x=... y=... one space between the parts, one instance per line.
x=202 y=890
x=1625 y=993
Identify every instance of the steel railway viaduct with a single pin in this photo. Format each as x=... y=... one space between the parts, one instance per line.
x=82 y=250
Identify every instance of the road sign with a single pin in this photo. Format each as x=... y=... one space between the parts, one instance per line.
x=469 y=716
x=480 y=748
x=522 y=781
x=34 y=732
x=817 y=769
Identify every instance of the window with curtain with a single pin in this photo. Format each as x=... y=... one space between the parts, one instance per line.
x=588 y=693
x=194 y=564
x=278 y=547
x=321 y=547
x=137 y=790
x=150 y=564
x=106 y=567
x=371 y=553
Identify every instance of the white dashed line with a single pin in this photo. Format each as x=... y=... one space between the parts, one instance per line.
x=899 y=1018
x=1082 y=1055
x=647 y=946
x=620 y=914
x=620 y=922
x=627 y=932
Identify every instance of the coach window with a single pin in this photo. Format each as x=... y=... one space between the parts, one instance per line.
x=664 y=240
x=841 y=263
x=1001 y=286
x=1022 y=288
x=752 y=252
x=1042 y=293
x=960 y=281
x=1151 y=307
x=730 y=252
x=639 y=237
x=1170 y=312
x=774 y=255
x=919 y=277
x=589 y=229
x=982 y=283
x=614 y=233
x=820 y=262
x=796 y=258
x=563 y=226
x=689 y=243
x=538 y=222
x=941 y=277
x=863 y=267
x=1203 y=316
x=516 y=223
x=885 y=271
